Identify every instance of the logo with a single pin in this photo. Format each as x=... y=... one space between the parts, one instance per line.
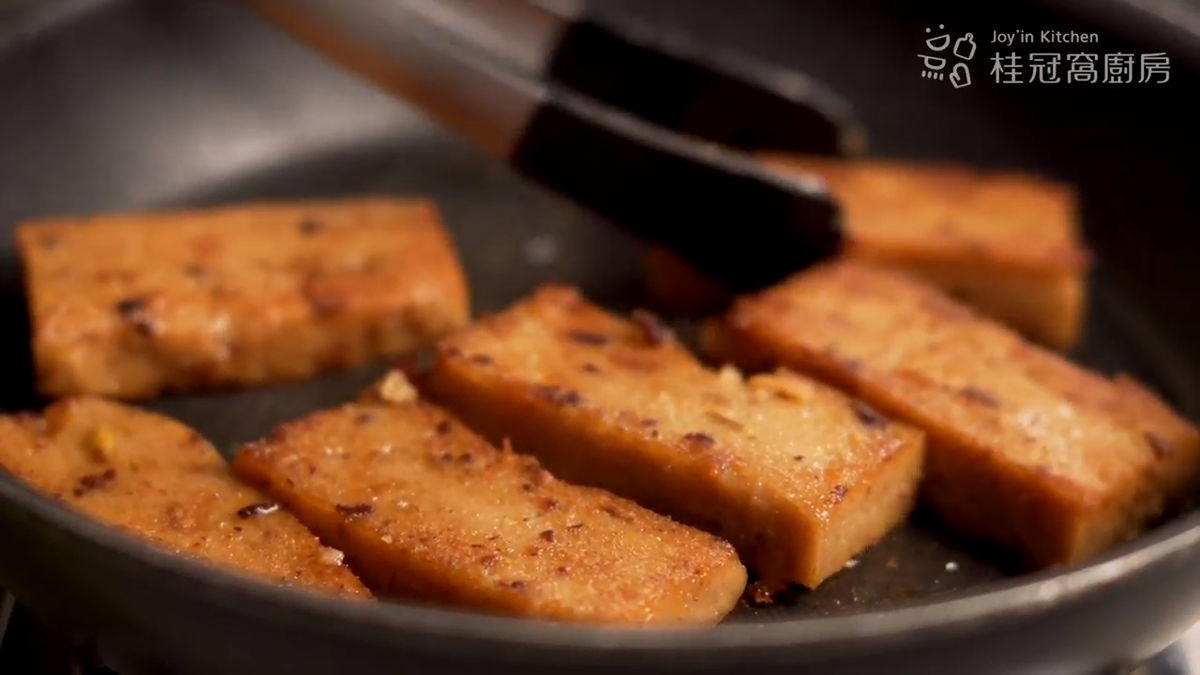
x=1081 y=68
x=935 y=66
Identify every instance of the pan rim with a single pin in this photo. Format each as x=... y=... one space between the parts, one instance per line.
x=1012 y=598
x=1017 y=597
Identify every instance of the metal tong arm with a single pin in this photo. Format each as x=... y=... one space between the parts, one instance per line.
x=665 y=78
x=731 y=218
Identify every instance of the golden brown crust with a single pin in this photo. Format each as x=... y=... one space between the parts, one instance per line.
x=154 y=478
x=799 y=477
x=426 y=509
x=1025 y=448
x=1005 y=243
x=134 y=305
x=936 y=212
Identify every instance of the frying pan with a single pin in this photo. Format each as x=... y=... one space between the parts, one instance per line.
x=134 y=105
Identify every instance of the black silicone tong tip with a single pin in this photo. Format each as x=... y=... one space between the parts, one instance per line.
x=726 y=214
x=696 y=90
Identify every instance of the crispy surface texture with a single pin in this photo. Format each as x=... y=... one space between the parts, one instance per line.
x=1006 y=243
x=426 y=509
x=797 y=476
x=1025 y=448
x=130 y=306
x=154 y=478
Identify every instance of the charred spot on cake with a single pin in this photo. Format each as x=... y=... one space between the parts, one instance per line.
x=838 y=493
x=698 y=439
x=94 y=481
x=869 y=416
x=260 y=509
x=559 y=396
x=587 y=337
x=311 y=226
x=133 y=312
x=1158 y=445
x=354 y=510
x=980 y=396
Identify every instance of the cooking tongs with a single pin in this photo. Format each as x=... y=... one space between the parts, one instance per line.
x=641 y=127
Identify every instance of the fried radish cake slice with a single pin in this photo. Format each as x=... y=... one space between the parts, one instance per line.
x=1025 y=448
x=133 y=305
x=1006 y=243
x=796 y=475
x=154 y=478
x=426 y=509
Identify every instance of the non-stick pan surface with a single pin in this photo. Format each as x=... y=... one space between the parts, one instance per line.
x=135 y=105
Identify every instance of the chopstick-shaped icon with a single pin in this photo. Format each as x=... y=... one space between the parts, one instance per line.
x=731 y=218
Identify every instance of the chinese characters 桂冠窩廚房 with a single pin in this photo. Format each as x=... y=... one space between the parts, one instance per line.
x=1155 y=64
x=963 y=50
x=1117 y=68
x=1082 y=68
x=1007 y=69
x=1043 y=68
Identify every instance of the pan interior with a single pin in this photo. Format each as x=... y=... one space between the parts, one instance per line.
x=511 y=238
